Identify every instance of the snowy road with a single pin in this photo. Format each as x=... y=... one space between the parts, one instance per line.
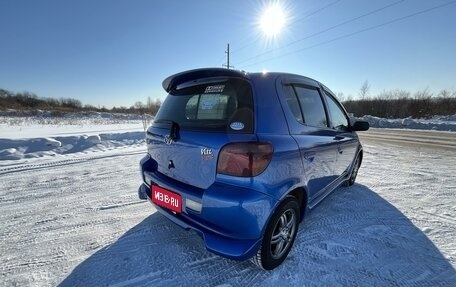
x=432 y=139
x=75 y=220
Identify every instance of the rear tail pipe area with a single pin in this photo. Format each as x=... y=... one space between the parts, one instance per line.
x=142 y=192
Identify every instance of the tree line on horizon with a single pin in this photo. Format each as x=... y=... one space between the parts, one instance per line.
x=400 y=103
x=388 y=104
x=30 y=101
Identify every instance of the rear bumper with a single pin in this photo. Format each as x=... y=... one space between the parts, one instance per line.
x=232 y=218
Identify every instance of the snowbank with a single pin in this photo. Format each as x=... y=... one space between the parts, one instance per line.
x=33 y=134
x=14 y=149
x=438 y=123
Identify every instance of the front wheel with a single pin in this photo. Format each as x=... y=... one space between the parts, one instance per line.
x=351 y=180
x=279 y=236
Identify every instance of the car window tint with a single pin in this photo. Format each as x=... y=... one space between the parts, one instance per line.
x=219 y=106
x=292 y=102
x=337 y=115
x=312 y=106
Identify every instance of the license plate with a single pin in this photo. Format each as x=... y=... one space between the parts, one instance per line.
x=166 y=199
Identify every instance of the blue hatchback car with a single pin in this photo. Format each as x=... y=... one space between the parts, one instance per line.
x=242 y=157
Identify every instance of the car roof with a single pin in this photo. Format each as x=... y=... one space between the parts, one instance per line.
x=193 y=75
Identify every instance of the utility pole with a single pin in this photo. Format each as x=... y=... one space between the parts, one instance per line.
x=227 y=52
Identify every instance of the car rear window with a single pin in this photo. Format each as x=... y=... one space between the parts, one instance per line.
x=212 y=105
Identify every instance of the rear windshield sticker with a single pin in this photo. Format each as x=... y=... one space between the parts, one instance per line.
x=208 y=104
x=237 y=126
x=214 y=89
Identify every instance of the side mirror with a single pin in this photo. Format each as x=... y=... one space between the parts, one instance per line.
x=360 y=126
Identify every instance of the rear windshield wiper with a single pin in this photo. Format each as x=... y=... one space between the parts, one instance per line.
x=174 y=131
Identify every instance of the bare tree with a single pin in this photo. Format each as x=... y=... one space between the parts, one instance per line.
x=141 y=108
x=445 y=94
x=364 y=90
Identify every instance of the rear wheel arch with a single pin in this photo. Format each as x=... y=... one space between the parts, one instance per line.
x=301 y=196
x=279 y=234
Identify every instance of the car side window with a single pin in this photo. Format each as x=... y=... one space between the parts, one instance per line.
x=312 y=107
x=293 y=103
x=338 y=119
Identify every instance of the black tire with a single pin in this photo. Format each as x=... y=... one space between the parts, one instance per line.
x=279 y=235
x=351 y=180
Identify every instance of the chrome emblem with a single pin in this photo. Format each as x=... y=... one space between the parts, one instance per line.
x=168 y=140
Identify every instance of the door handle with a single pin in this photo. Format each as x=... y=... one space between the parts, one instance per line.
x=338 y=138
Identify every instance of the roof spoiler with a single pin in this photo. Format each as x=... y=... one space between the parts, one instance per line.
x=172 y=81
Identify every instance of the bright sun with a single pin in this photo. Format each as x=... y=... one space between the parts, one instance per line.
x=272 y=20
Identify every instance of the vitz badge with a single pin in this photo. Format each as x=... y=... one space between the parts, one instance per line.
x=206 y=153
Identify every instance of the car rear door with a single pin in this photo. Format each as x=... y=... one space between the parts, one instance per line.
x=308 y=125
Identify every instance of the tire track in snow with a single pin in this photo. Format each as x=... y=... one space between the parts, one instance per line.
x=65 y=162
x=28 y=167
x=447 y=219
x=48 y=222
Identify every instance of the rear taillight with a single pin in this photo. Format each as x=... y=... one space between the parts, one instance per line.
x=244 y=159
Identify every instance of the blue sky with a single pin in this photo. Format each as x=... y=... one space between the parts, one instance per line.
x=112 y=53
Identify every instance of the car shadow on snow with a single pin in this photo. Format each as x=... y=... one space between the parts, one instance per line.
x=353 y=238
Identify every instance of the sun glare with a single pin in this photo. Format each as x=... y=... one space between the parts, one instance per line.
x=272 y=20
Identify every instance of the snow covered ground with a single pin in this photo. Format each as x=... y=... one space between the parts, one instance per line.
x=71 y=217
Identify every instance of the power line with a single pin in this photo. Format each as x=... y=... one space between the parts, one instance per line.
x=323 y=31
x=357 y=32
x=316 y=11
x=295 y=21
